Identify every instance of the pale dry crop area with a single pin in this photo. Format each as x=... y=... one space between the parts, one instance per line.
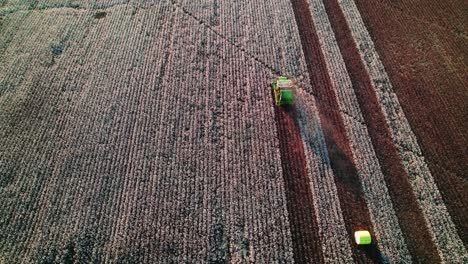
x=136 y=131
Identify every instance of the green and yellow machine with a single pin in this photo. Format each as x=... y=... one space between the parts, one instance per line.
x=362 y=237
x=283 y=91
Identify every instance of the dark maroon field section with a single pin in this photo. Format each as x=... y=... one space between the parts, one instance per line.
x=306 y=241
x=145 y=131
x=424 y=47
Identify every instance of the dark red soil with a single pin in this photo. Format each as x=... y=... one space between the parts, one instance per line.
x=425 y=53
x=304 y=227
x=410 y=217
x=449 y=14
x=353 y=205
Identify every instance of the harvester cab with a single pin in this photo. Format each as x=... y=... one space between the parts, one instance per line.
x=283 y=91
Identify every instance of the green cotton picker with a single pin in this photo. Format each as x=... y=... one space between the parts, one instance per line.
x=283 y=90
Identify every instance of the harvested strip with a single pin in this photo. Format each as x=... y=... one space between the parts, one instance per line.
x=355 y=211
x=302 y=217
x=335 y=242
x=412 y=222
x=451 y=247
x=386 y=226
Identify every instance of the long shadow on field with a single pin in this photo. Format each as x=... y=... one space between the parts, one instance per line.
x=410 y=216
x=302 y=218
x=353 y=205
x=346 y=178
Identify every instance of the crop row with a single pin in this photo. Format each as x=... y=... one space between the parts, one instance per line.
x=147 y=133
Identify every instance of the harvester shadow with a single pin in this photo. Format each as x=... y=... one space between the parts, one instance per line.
x=306 y=239
x=346 y=178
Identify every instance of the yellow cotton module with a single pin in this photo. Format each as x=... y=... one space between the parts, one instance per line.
x=362 y=237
